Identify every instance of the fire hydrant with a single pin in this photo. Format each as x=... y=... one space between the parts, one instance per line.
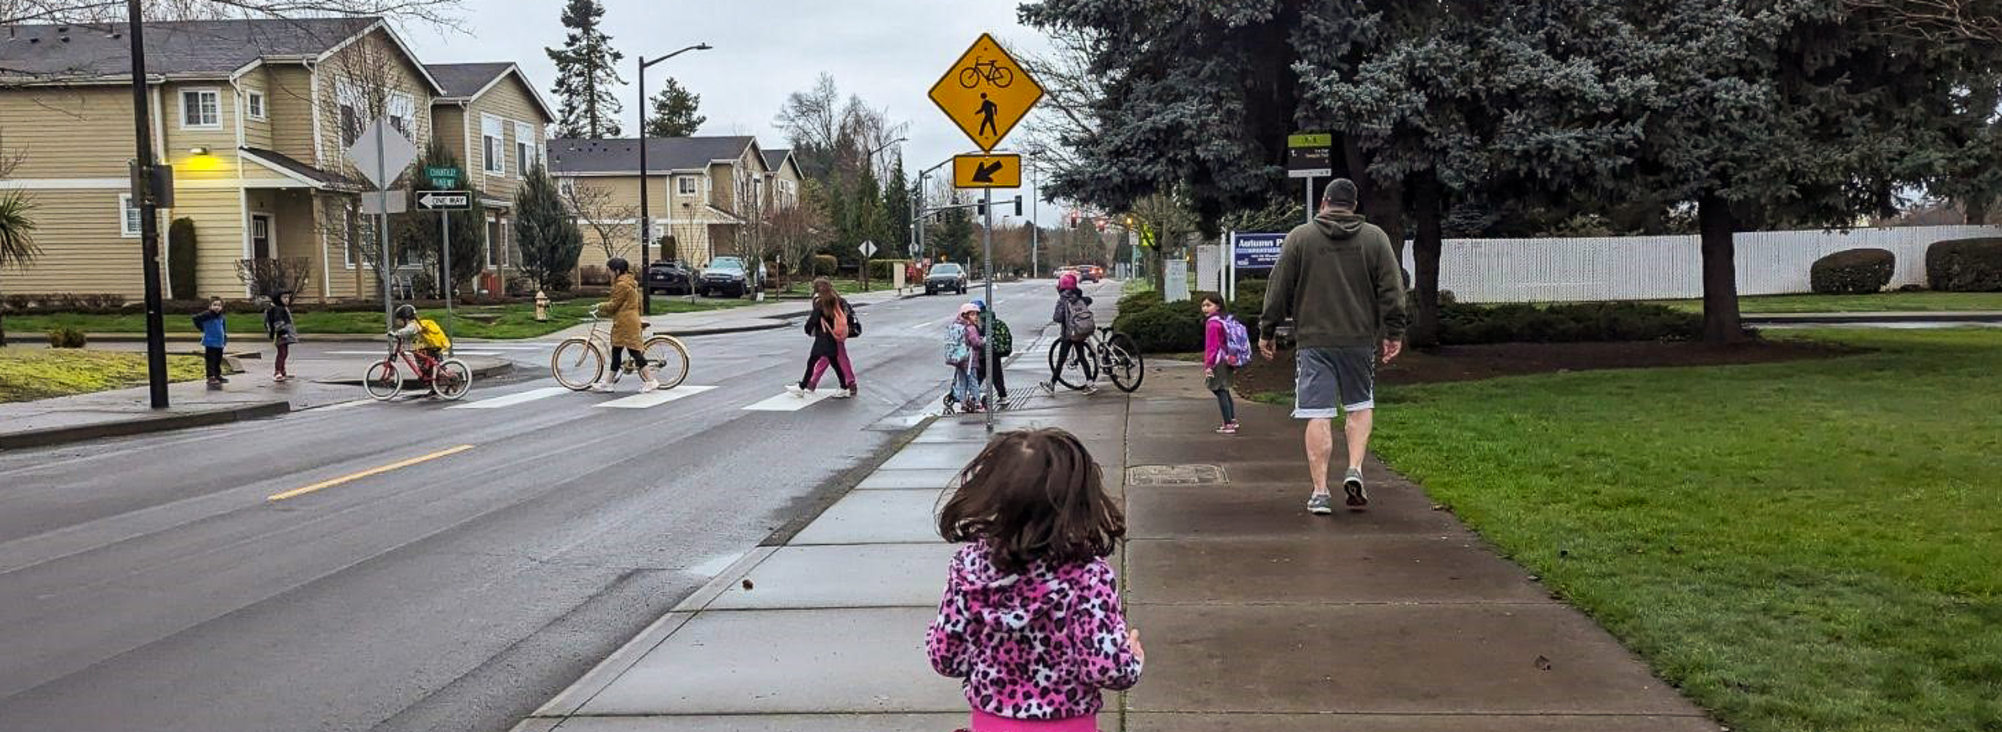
x=541 y=307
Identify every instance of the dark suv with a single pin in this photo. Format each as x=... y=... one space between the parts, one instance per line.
x=945 y=277
x=669 y=277
x=724 y=276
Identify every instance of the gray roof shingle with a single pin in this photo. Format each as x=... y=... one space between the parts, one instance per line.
x=201 y=47
x=571 y=155
x=464 y=80
x=775 y=158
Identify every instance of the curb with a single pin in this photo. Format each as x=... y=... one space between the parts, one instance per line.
x=141 y=425
x=1867 y=318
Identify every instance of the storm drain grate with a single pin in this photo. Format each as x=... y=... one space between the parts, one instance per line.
x=1176 y=475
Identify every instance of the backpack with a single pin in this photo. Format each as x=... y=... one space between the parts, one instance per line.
x=432 y=336
x=1079 y=323
x=957 y=352
x=1236 y=342
x=1002 y=341
x=837 y=326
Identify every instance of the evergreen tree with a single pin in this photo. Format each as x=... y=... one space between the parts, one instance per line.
x=896 y=232
x=419 y=233
x=586 y=72
x=548 y=237
x=674 y=112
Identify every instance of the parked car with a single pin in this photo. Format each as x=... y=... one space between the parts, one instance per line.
x=945 y=277
x=1097 y=273
x=1059 y=272
x=725 y=276
x=669 y=277
x=1086 y=273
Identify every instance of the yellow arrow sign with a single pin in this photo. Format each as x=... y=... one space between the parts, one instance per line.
x=986 y=93
x=987 y=171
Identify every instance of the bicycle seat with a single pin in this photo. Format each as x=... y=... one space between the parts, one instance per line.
x=645 y=325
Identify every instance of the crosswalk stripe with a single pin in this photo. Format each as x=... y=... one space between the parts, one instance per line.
x=655 y=398
x=789 y=403
x=512 y=399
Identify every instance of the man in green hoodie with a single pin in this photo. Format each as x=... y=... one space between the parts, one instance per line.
x=1338 y=279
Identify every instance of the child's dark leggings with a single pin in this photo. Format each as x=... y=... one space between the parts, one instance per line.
x=639 y=359
x=213 y=357
x=284 y=349
x=1228 y=405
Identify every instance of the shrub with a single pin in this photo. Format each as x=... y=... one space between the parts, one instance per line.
x=1462 y=324
x=558 y=282
x=1965 y=265
x=424 y=285
x=822 y=265
x=66 y=338
x=16 y=302
x=1852 y=272
x=1169 y=327
x=518 y=286
x=181 y=259
x=885 y=269
x=1138 y=301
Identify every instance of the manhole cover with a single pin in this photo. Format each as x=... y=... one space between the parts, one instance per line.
x=1175 y=475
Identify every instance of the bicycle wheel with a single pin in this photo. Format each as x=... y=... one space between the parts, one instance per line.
x=1123 y=362
x=669 y=358
x=577 y=364
x=1002 y=77
x=452 y=380
x=382 y=380
x=969 y=77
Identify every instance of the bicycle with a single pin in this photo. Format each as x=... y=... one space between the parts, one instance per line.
x=1106 y=351
x=448 y=378
x=999 y=76
x=580 y=362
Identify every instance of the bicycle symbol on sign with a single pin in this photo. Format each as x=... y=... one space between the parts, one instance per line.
x=983 y=69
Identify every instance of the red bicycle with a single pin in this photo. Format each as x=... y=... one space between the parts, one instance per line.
x=448 y=378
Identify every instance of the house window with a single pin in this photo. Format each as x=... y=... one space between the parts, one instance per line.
x=201 y=108
x=130 y=218
x=566 y=186
x=350 y=124
x=687 y=183
x=525 y=149
x=401 y=111
x=493 y=151
x=255 y=103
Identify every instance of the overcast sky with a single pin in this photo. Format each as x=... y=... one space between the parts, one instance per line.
x=889 y=52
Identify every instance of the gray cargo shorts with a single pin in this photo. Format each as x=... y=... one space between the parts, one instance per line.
x=1330 y=381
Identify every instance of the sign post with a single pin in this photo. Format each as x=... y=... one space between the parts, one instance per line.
x=1310 y=156
x=444 y=202
x=379 y=150
x=986 y=93
x=868 y=252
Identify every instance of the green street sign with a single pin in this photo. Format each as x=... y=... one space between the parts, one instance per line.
x=443 y=177
x=1311 y=140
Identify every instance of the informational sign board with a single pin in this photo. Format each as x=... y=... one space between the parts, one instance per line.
x=1209 y=268
x=384 y=202
x=1256 y=251
x=986 y=93
x=987 y=171
x=1175 y=280
x=444 y=200
x=381 y=153
x=1310 y=156
x=443 y=177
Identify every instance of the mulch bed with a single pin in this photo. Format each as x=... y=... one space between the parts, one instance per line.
x=1471 y=363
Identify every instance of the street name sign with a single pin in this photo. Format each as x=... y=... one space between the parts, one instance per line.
x=1310 y=156
x=444 y=200
x=986 y=93
x=987 y=171
x=381 y=153
x=446 y=178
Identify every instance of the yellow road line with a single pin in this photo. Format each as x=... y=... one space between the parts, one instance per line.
x=296 y=492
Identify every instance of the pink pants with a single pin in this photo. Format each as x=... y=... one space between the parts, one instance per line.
x=843 y=371
x=984 y=722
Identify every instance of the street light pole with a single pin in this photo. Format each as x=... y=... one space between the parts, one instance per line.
x=149 y=226
x=646 y=220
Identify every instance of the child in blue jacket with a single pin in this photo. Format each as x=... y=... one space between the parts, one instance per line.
x=215 y=335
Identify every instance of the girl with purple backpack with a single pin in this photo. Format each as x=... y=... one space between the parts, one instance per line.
x=1226 y=346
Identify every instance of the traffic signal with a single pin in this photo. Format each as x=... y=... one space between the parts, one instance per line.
x=1018 y=206
x=980 y=208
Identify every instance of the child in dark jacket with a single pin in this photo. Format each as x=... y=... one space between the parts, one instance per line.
x=1031 y=617
x=215 y=336
x=278 y=325
x=1069 y=296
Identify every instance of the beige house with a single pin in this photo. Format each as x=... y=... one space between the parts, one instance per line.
x=493 y=121
x=703 y=191
x=253 y=115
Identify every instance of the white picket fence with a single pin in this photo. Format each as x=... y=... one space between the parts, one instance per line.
x=1665 y=267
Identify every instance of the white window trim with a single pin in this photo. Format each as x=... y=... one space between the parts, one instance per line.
x=257 y=106
x=525 y=142
x=488 y=160
x=183 y=98
x=125 y=228
x=487 y=240
x=682 y=187
x=402 y=104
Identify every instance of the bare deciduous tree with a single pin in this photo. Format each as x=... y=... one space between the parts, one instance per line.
x=597 y=209
x=1936 y=21
x=437 y=12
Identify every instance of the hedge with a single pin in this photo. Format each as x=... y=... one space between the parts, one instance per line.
x=1462 y=324
x=1965 y=265
x=1171 y=327
x=181 y=259
x=1852 y=272
x=822 y=265
x=884 y=269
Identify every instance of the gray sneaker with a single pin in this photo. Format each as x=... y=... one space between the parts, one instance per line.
x=1320 y=504
x=1352 y=485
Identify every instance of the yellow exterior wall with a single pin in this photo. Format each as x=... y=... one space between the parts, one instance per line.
x=82 y=249
x=512 y=103
x=368 y=62
x=67 y=132
x=256 y=132
x=291 y=99
x=448 y=129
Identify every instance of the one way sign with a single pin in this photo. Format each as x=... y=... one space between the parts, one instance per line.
x=987 y=171
x=444 y=200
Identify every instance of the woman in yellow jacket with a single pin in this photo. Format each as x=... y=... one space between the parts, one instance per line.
x=624 y=310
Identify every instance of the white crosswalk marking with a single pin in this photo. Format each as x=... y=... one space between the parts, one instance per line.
x=790 y=403
x=512 y=399
x=654 y=399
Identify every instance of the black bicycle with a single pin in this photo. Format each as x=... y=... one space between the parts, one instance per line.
x=1108 y=352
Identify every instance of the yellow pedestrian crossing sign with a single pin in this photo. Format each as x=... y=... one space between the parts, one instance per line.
x=986 y=93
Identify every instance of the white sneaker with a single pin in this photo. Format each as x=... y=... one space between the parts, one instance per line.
x=844 y=394
x=649 y=385
x=602 y=387
x=796 y=390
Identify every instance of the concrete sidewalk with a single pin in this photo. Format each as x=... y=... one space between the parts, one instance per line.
x=1257 y=615
x=741 y=319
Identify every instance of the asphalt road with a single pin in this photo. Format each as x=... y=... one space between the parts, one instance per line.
x=437 y=567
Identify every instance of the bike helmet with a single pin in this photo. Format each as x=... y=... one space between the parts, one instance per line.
x=406 y=311
x=980 y=304
x=1067 y=282
x=619 y=265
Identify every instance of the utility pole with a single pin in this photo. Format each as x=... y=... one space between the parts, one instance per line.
x=1035 y=224
x=149 y=213
x=646 y=220
x=987 y=273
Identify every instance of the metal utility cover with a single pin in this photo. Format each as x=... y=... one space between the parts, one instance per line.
x=1176 y=475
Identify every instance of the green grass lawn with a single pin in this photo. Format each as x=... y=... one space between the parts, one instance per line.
x=39 y=373
x=1807 y=546
x=507 y=321
x=1880 y=302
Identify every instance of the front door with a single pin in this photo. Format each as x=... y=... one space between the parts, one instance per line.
x=260 y=236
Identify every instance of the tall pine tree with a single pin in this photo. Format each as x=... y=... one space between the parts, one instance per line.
x=586 y=73
x=674 y=112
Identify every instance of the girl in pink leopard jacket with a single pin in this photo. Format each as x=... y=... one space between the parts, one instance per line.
x=1031 y=617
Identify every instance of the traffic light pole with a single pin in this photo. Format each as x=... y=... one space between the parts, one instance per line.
x=149 y=224
x=987 y=313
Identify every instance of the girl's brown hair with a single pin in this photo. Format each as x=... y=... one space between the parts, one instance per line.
x=1033 y=495
x=1211 y=297
x=824 y=296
